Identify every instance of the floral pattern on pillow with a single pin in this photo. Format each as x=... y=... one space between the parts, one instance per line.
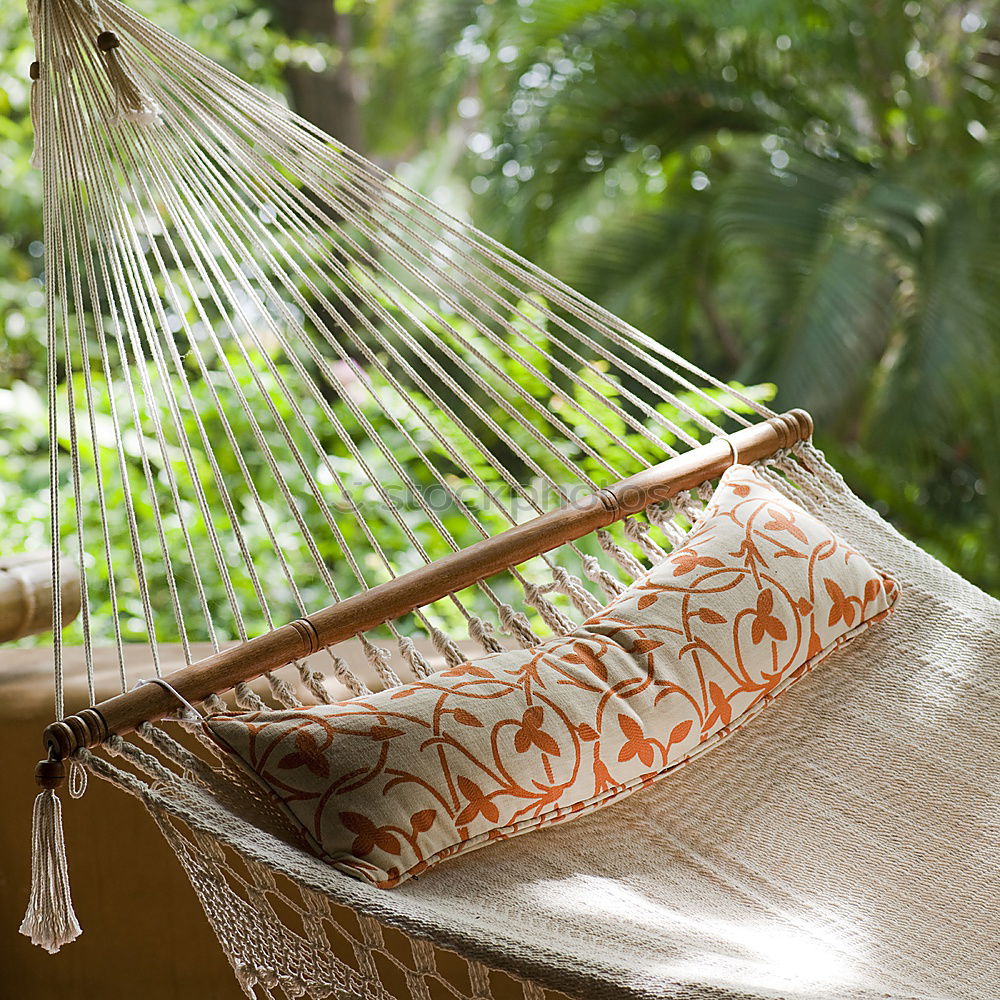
x=387 y=785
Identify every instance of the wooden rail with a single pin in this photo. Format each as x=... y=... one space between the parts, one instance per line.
x=422 y=586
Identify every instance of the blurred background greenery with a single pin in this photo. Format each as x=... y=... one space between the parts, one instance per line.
x=802 y=193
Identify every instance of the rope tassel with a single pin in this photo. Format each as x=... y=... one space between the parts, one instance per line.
x=134 y=104
x=35 y=72
x=35 y=106
x=49 y=920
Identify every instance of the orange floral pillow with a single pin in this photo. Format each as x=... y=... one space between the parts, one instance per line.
x=387 y=785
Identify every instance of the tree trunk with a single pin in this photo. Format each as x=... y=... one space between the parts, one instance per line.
x=328 y=98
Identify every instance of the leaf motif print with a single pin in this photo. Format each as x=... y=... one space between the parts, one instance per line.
x=636 y=744
x=645 y=645
x=679 y=733
x=364 y=842
x=307 y=753
x=422 y=821
x=480 y=803
x=369 y=836
x=585 y=656
x=464 y=718
x=710 y=617
x=765 y=623
x=530 y=734
x=469 y=669
x=722 y=712
x=686 y=560
x=384 y=733
x=602 y=776
x=841 y=608
x=489 y=748
x=781 y=521
x=815 y=645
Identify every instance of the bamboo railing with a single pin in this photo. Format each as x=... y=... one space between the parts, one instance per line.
x=26 y=594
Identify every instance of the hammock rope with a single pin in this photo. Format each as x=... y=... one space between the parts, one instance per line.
x=160 y=213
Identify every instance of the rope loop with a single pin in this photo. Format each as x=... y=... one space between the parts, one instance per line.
x=77 y=778
x=732 y=447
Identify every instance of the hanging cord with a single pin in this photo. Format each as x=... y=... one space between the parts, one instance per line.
x=49 y=920
x=189 y=717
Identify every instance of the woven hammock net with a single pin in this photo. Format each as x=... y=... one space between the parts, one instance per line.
x=236 y=302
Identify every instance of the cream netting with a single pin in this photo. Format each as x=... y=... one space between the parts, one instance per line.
x=236 y=300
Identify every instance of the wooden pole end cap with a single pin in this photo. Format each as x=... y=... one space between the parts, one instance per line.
x=805 y=423
x=107 y=41
x=50 y=773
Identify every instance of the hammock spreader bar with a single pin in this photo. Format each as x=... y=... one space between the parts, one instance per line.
x=420 y=587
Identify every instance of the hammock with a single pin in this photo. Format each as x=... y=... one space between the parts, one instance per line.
x=235 y=301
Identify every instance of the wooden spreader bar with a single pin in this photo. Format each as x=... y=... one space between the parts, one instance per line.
x=397 y=597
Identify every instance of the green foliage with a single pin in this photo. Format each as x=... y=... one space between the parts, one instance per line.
x=22 y=299
x=802 y=192
x=337 y=503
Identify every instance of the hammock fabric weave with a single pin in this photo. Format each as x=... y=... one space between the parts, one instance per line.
x=238 y=301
